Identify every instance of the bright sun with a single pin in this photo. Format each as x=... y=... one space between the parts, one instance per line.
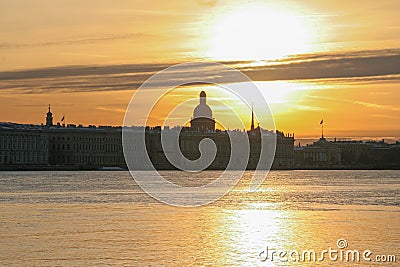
x=258 y=32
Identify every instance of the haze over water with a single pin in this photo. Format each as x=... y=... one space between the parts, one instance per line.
x=103 y=218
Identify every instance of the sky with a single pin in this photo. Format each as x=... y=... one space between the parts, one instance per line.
x=336 y=60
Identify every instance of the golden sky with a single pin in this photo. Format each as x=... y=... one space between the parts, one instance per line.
x=337 y=60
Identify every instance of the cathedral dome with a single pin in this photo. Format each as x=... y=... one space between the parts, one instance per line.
x=202 y=110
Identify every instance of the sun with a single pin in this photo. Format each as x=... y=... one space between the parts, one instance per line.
x=258 y=32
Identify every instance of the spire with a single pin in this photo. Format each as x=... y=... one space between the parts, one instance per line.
x=49 y=118
x=322 y=130
x=252 y=119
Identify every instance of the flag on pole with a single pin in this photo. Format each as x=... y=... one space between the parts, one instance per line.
x=322 y=121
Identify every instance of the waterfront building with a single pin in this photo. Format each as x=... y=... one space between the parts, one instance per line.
x=347 y=154
x=321 y=154
x=22 y=145
x=85 y=147
x=70 y=146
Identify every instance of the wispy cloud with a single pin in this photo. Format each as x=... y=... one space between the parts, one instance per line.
x=76 y=41
x=357 y=102
x=356 y=67
x=120 y=110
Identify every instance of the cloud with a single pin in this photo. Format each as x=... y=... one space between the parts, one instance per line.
x=98 y=78
x=76 y=41
x=81 y=70
x=357 y=102
x=359 y=80
x=120 y=110
x=339 y=65
x=357 y=67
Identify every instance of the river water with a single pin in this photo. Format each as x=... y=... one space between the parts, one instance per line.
x=105 y=219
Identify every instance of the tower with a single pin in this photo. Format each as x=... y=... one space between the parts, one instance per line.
x=49 y=118
x=202 y=120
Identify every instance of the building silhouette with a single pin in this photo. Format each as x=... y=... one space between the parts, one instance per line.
x=85 y=147
x=75 y=147
x=23 y=145
x=202 y=125
x=322 y=154
x=345 y=154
